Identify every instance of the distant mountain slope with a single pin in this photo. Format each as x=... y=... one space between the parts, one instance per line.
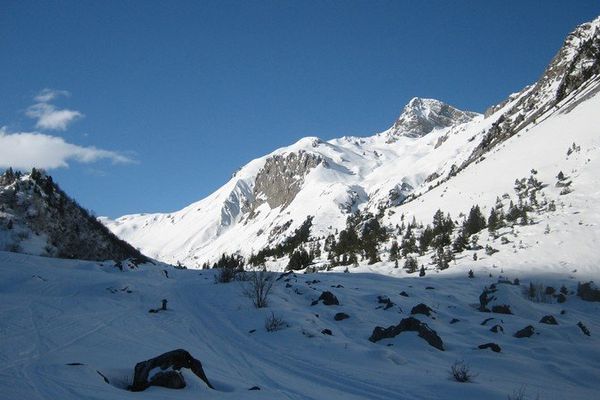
x=408 y=170
x=37 y=217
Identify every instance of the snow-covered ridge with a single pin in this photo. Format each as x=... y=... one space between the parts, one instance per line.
x=431 y=145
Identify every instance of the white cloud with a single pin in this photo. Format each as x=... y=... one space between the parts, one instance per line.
x=47 y=115
x=25 y=150
x=47 y=95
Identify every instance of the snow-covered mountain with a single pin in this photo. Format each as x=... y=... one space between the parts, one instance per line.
x=433 y=156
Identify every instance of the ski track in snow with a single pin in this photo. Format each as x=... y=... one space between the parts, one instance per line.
x=72 y=317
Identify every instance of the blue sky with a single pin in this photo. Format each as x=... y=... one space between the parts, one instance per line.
x=174 y=96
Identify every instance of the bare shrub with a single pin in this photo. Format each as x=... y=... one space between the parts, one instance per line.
x=461 y=372
x=273 y=323
x=257 y=286
x=521 y=394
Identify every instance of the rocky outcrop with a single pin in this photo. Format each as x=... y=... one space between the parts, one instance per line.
x=492 y=346
x=526 y=332
x=327 y=298
x=164 y=371
x=281 y=178
x=421 y=116
x=409 y=324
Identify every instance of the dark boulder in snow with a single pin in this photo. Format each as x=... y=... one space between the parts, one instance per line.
x=327 y=332
x=386 y=301
x=454 y=320
x=341 y=316
x=501 y=309
x=497 y=329
x=583 y=328
x=164 y=370
x=493 y=346
x=561 y=298
x=526 y=332
x=548 y=319
x=328 y=299
x=403 y=294
x=409 y=324
x=421 y=309
x=588 y=291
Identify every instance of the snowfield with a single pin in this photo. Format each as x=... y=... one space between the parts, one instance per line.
x=58 y=312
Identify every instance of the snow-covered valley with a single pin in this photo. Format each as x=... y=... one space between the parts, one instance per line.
x=55 y=313
x=352 y=268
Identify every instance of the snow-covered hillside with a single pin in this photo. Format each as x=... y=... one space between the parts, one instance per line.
x=37 y=217
x=433 y=157
x=66 y=325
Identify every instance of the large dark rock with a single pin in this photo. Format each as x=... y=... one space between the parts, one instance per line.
x=493 y=346
x=170 y=364
x=588 y=291
x=528 y=331
x=328 y=299
x=497 y=329
x=409 y=324
x=548 y=319
x=421 y=309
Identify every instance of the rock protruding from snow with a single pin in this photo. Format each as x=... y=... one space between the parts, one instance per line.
x=328 y=299
x=421 y=116
x=164 y=371
x=526 y=332
x=409 y=324
x=282 y=176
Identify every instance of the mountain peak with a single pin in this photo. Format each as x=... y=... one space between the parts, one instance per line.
x=420 y=116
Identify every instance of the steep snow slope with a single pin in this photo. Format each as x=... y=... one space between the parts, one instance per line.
x=59 y=312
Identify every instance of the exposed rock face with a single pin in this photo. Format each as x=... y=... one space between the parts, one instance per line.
x=409 y=324
x=421 y=116
x=399 y=194
x=168 y=364
x=281 y=178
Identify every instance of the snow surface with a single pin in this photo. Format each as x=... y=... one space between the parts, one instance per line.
x=56 y=312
